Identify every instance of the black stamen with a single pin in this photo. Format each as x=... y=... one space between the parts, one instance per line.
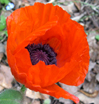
x=41 y=52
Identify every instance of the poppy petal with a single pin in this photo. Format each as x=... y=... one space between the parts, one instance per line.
x=58 y=92
x=20 y=77
x=21 y=19
x=53 y=90
x=78 y=73
x=23 y=57
x=79 y=53
x=33 y=37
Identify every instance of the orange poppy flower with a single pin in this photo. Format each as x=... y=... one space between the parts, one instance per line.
x=45 y=47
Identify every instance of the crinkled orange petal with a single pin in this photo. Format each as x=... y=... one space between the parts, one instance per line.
x=23 y=57
x=31 y=19
x=45 y=75
x=35 y=35
x=20 y=77
x=78 y=73
x=53 y=90
x=78 y=51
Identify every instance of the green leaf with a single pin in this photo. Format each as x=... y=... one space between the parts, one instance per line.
x=4 y=1
x=47 y=101
x=2 y=26
x=2 y=22
x=11 y=97
x=97 y=37
x=2 y=19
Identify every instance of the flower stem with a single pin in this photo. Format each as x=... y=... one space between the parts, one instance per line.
x=23 y=89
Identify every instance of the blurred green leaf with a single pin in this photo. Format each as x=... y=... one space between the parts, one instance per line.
x=2 y=26
x=2 y=22
x=47 y=101
x=11 y=97
x=2 y=18
x=4 y=1
x=97 y=37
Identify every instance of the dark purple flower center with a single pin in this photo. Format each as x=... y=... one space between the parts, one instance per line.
x=41 y=52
